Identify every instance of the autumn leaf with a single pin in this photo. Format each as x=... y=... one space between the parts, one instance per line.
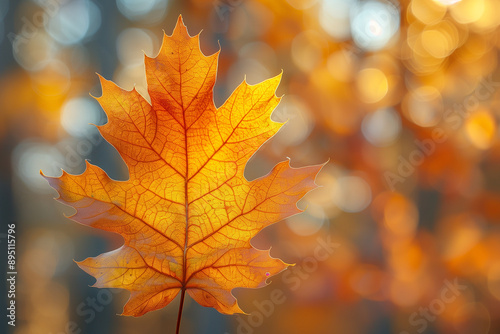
x=186 y=213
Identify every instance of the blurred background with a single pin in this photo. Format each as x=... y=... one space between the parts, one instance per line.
x=401 y=96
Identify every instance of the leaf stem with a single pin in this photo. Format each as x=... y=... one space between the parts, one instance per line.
x=179 y=316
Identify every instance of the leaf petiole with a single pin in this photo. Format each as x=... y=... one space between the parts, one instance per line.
x=179 y=316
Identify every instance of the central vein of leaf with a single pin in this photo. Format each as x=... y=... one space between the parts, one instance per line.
x=186 y=180
x=184 y=258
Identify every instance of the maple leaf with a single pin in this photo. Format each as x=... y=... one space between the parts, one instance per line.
x=186 y=213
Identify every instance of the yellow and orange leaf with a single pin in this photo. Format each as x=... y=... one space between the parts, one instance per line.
x=187 y=213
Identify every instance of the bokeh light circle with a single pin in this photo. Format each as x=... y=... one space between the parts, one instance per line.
x=31 y=156
x=78 y=114
x=351 y=193
x=374 y=23
x=74 y=21
x=381 y=127
x=372 y=85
